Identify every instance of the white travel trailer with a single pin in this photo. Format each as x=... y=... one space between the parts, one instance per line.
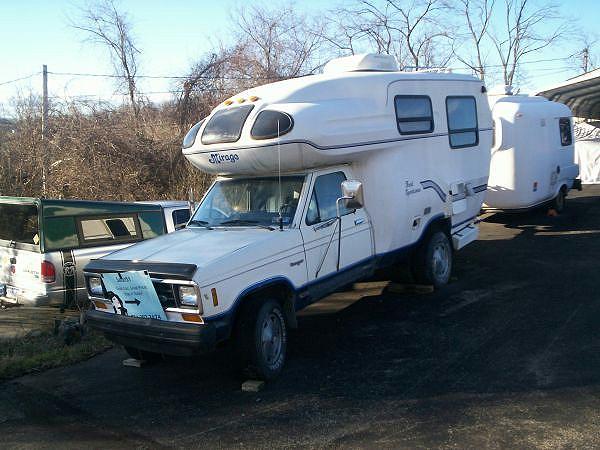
x=533 y=155
x=321 y=180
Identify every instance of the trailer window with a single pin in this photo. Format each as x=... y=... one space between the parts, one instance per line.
x=414 y=114
x=327 y=189
x=462 y=121
x=566 y=137
x=226 y=125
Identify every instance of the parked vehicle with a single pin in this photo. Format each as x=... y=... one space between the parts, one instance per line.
x=45 y=243
x=533 y=159
x=322 y=180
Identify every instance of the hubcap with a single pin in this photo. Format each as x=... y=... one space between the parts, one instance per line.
x=271 y=338
x=441 y=261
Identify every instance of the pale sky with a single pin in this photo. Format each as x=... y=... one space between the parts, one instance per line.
x=172 y=34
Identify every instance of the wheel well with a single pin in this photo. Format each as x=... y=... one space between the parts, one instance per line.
x=440 y=224
x=277 y=290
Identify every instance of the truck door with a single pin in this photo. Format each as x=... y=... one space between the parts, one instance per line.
x=319 y=232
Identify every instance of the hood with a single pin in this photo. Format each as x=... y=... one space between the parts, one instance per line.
x=198 y=246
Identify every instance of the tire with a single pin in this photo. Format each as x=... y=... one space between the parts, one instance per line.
x=261 y=340
x=143 y=354
x=432 y=262
x=559 y=202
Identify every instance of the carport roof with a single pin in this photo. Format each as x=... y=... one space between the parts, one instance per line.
x=581 y=94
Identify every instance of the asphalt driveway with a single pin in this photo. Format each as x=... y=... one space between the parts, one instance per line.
x=507 y=356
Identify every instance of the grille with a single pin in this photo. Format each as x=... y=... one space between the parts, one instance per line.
x=166 y=295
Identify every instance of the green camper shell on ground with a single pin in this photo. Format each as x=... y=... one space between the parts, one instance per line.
x=59 y=220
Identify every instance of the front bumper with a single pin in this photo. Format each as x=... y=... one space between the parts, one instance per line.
x=158 y=336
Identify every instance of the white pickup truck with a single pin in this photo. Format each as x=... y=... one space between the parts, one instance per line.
x=322 y=180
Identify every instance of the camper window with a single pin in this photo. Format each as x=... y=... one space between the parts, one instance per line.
x=226 y=125
x=19 y=223
x=462 y=121
x=566 y=137
x=413 y=114
x=271 y=124
x=108 y=229
x=326 y=191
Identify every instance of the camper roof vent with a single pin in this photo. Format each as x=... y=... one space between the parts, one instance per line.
x=365 y=62
x=501 y=89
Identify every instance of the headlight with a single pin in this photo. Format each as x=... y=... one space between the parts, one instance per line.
x=95 y=285
x=188 y=296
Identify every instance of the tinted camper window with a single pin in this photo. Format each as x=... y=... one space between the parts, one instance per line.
x=566 y=137
x=19 y=223
x=226 y=125
x=462 y=121
x=413 y=114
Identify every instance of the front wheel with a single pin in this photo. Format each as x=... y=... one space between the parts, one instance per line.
x=262 y=340
x=432 y=262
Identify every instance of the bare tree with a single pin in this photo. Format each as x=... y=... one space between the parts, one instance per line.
x=275 y=44
x=477 y=15
x=109 y=27
x=523 y=35
x=413 y=31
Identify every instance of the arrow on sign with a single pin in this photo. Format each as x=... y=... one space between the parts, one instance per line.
x=135 y=301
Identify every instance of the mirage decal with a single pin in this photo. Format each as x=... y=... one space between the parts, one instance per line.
x=216 y=158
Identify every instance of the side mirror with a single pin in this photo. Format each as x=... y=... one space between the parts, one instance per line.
x=352 y=194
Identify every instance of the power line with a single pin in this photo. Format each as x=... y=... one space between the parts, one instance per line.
x=19 y=79
x=164 y=77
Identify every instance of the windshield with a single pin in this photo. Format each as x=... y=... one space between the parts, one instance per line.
x=250 y=202
x=19 y=223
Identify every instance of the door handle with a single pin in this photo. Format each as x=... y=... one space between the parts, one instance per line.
x=359 y=221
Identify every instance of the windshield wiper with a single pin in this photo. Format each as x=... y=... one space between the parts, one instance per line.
x=202 y=223
x=247 y=222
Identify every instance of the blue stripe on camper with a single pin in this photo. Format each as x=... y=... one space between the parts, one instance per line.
x=429 y=184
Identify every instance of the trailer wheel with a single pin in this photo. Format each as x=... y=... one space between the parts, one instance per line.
x=432 y=262
x=143 y=354
x=262 y=340
x=560 y=201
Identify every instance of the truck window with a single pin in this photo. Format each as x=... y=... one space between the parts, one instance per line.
x=250 y=201
x=414 y=114
x=19 y=223
x=462 y=121
x=325 y=193
x=226 y=125
x=181 y=216
x=564 y=125
x=106 y=230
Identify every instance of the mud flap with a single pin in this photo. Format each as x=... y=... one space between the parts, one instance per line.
x=69 y=279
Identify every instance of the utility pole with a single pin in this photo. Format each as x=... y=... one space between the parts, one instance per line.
x=44 y=125
x=586 y=59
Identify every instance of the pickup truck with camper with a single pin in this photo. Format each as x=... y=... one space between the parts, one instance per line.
x=533 y=154
x=45 y=243
x=321 y=180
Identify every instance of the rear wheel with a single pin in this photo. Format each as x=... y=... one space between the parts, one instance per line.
x=560 y=201
x=432 y=262
x=143 y=354
x=262 y=340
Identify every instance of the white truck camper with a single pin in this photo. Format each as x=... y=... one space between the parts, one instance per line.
x=321 y=180
x=533 y=159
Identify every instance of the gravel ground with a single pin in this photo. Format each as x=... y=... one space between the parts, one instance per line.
x=506 y=356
